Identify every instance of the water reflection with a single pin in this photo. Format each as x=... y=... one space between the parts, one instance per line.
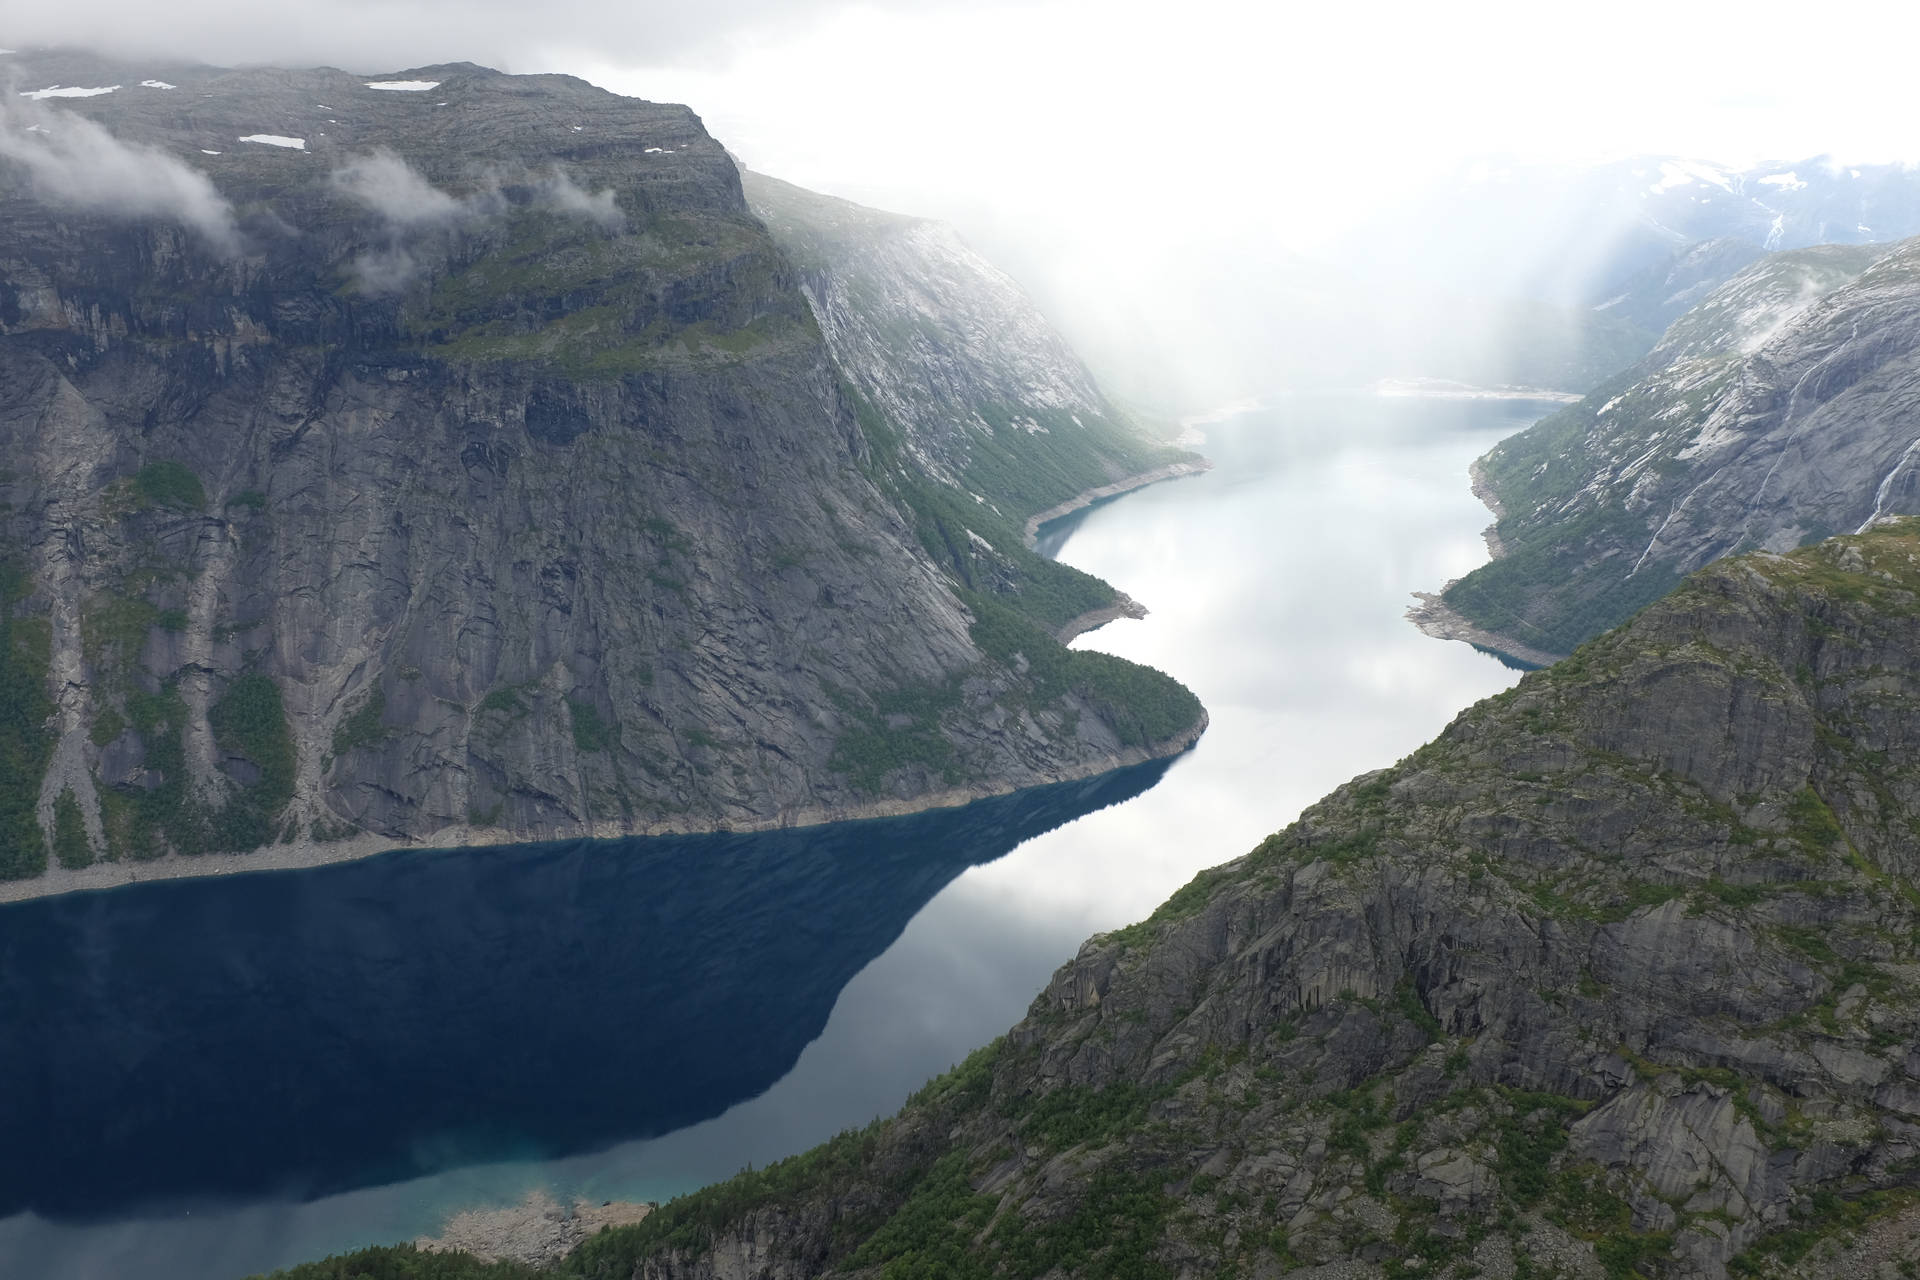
x=1277 y=584
x=304 y=1033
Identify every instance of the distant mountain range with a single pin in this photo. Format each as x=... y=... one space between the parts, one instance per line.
x=1492 y=273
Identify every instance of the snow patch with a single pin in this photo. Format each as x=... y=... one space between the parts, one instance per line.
x=157 y=84
x=1605 y=408
x=403 y=86
x=205 y=152
x=1788 y=181
x=277 y=140
x=1681 y=173
x=55 y=91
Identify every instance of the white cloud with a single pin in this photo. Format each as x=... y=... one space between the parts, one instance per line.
x=412 y=208
x=560 y=193
x=385 y=183
x=75 y=163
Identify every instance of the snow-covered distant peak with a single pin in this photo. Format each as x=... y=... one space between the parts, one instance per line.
x=69 y=91
x=1684 y=173
x=403 y=86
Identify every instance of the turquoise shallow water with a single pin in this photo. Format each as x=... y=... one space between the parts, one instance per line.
x=210 y=1078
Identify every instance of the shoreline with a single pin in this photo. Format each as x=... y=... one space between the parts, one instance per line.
x=1087 y=497
x=1123 y=606
x=1435 y=617
x=1483 y=489
x=1440 y=389
x=304 y=855
x=536 y=1232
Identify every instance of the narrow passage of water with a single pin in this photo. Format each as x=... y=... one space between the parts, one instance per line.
x=463 y=1028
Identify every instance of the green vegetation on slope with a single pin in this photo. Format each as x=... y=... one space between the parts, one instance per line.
x=169 y=484
x=26 y=743
x=70 y=832
x=405 y=1262
x=250 y=722
x=1143 y=705
x=948 y=523
x=1019 y=600
x=1027 y=472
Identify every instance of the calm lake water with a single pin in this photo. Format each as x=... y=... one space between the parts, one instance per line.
x=207 y=1079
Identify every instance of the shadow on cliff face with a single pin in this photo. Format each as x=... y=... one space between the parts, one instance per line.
x=307 y=1032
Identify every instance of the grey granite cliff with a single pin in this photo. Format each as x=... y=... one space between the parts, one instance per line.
x=454 y=464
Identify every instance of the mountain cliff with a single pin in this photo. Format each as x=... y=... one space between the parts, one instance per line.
x=1774 y=413
x=1613 y=978
x=998 y=423
x=453 y=456
x=989 y=397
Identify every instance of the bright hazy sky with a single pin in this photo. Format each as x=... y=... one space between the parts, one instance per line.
x=1286 y=115
x=1280 y=115
x=1152 y=171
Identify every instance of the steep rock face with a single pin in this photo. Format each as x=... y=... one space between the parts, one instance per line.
x=1776 y=412
x=1612 y=978
x=995 y=422
x=472 y=470
x=988 y=397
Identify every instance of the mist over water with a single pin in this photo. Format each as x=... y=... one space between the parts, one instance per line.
x=556 y=1005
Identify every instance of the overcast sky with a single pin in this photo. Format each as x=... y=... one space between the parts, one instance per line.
x=1282 y=114
x=1110 y=152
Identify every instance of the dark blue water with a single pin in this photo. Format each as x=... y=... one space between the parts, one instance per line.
x=304 y=1033
x=219 y=1077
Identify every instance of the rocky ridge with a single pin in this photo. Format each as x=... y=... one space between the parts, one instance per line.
x=1774 y=413
x=453 y=457
x=1614 y=978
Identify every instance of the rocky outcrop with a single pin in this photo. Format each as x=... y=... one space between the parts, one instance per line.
x=455 y=464
x=1613 y=978
x=1774 y=413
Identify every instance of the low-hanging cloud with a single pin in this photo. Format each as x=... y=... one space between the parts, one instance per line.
x=74 y=163
x=411 y=209
x=560 y=193
x=391 y=187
